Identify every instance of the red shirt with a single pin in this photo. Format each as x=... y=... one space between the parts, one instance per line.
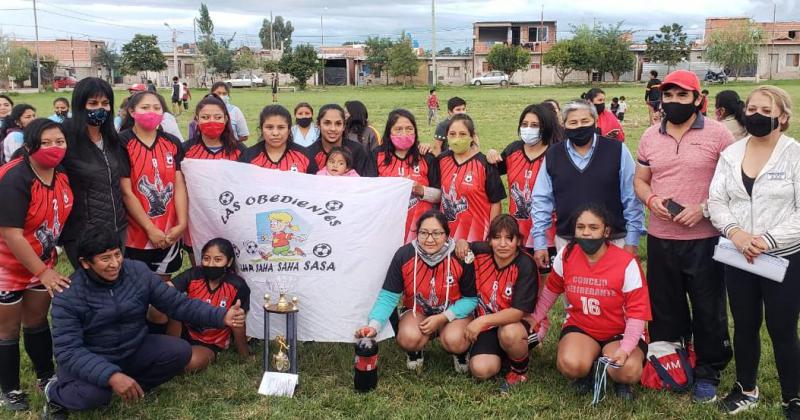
x=433 y=102
x=468 y=191
x=295 y=158
x=606 y=122
x=152 y=173
x=603 y=295
x=39 y=210
x=196 y=149
x=513 y=286
x=425 y=172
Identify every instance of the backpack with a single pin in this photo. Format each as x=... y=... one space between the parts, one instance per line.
x=669 y=365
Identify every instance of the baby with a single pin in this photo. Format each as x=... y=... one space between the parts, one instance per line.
x=340 y=163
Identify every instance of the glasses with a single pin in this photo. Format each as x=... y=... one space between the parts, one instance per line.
x=424 y=234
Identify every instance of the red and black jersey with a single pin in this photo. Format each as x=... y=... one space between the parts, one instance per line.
x=513 y=286
x=362 y=160
x=468 y=191
x=436 y=288
x=197 y=149
x=231 y=289
x=522 y=172
x=425 y=172
x=295 y=158
x=603 y=295
x=152 y=173
x=38 y=209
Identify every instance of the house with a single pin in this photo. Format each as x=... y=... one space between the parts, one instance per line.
x=76 y=57
x=450 y=70
x=535 y=36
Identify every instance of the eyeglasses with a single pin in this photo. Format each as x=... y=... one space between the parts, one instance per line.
x=424 y=234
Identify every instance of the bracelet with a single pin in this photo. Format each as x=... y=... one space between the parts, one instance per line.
x=41 y=271
x=649 y=200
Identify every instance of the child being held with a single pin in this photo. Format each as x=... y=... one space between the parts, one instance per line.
x=340 y=163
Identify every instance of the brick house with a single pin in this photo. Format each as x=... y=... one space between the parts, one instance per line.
x=535 y=36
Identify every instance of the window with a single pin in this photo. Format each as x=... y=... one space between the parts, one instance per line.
x=793 y=34
x=792 y=60
x=534 y=66
x=453 y=71
x=597 y=76
x=188 y=69
x=485 y=66
x=537 y=34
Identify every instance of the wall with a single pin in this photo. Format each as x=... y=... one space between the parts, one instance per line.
x=781 y=71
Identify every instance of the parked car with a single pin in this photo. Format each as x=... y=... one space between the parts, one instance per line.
x=61 y=82
x=245 y=80
x=491 y=78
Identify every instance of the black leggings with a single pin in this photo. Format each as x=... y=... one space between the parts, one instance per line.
x=751 y=296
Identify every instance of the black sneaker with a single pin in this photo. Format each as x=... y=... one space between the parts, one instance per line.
x=737 y=401
x=42 y=383
x=15 y=400
x=585 y=385
x=792 y=409
x=52 y=411
x=414 y=360
x=624 y=392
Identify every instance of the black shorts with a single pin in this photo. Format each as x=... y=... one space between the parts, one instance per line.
x=160 y=261
x=573 y=329
x=15 y=296
x=188 y=338
x=656 y=105
x=621 y=116
x=488 y=342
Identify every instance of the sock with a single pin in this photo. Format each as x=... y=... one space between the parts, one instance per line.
x=753 y=393
x=39 y=346
x=414 y=355
x=520 y=365
x=462 y=358
x=9 y=364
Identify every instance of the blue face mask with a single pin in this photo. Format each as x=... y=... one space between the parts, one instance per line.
x=96 y=117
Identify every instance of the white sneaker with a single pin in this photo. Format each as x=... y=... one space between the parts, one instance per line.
x=461 y=363
x=414 y=360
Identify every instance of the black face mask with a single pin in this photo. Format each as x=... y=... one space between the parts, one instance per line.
x=600 y=108
x=759 y=124
x=590 y=246
x=214 y=273
x=580 y=136
x=304 y=122
x=677 y=113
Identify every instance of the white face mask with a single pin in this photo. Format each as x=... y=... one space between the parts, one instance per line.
x=530 y=135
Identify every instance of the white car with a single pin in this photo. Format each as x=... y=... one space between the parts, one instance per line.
x=245 y=80
x=491 y=78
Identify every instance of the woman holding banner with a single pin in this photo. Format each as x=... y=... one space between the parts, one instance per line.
x=276 y=149
x=401 y=157
x=437 y=291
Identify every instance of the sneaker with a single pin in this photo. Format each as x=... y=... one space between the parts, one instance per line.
x=15 y=400
x=624 y=392
x=585 y=385
x=791 y=410
x=42 y=383
x=737 y=401
x=52 y=411
x=512 y=379
x=461 y=363
x=704 y=392
x=414 y=360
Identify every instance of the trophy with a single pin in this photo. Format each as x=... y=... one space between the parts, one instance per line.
x=283 y=380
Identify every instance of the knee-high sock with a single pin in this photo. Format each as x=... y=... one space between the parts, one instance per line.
x=9 y=364
x=520 y=365
x=39 y=346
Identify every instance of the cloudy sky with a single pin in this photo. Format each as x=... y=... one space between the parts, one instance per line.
x=347 y=20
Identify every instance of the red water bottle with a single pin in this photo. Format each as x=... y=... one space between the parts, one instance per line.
x=365 y=369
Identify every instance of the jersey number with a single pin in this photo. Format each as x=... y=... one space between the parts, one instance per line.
x=591 y=306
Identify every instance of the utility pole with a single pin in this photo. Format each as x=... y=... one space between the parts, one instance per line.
x=541 y=45
x=772 y=42
x=174 y=50
x=271 y=35
x=322 y=45
x=433 y=41
x=38 y=57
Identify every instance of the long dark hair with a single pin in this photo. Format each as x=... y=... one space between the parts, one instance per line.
x=275 y=111
x=128 y=122
x=504 y=223
x=358 y=119
x=229 y=142
x=324 y=110
x=592 y=93
x=224 y=246
x=387 y=134
x=85 y=89
x=436 y=214
x=16 y=114
x=549 y=128
x=598 y=210
x=33 y=136
x=729 y=101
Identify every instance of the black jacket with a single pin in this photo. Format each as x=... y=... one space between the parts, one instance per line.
x=94 y=175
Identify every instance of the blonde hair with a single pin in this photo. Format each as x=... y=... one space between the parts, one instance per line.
x=282 y=216
x=779 y=97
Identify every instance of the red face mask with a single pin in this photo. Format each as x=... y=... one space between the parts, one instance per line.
x=211 y=129
x=49 y=157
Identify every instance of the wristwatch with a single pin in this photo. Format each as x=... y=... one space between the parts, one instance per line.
x=705 y=210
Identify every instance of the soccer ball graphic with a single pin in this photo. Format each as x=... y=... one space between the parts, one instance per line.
x=226 y=198
x=322 y=250
x=334 y=205
x=251 y=247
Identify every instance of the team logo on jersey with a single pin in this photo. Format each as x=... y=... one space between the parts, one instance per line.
x=452 y=205
x=522 y=201
x=170 y=160
x=509 y=291
x=281 y=234
x=528 y=174
x=293 y=168
x=156 y=193
x=468 y=177
x=416 y=169
x=223 y=303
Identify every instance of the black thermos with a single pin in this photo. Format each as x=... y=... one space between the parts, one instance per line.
x=365 y=369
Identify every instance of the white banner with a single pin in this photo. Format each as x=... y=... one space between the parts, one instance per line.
x=327 y=240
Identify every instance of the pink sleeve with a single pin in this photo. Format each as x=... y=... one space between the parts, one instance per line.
x=634 y=328
x=546 y=299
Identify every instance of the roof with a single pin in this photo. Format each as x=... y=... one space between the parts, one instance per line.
x=777 y=32
x=513 y=22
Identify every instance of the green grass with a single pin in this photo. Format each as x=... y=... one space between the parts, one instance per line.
x=228 y=388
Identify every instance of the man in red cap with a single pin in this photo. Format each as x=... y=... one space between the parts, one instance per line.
x=676 y=163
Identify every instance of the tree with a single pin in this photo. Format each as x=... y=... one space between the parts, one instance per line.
x=508 y=58
x=735 y=47
x=282 y=30
x=142 y=54
x=5 y=50
x=221 y=57
x=445 y=52
x=669 y=46
x=300 y=63
x=585 y=50
x=110 y=59
x=614 y=55
x=49 y=66
x=271 y=66
x=205 y=25
x=377 y=51
x=402 y=60
x=20 y=62
x=559 y=57
x=245 y=59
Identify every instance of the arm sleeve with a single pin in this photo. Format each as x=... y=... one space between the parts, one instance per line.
x=494 y=185
x=634 y=329
x=382 y=309
x=542 y=207
x=241 y=124
x=718 y=199
x=179 y=307
x=16 y=199
x=461 y=308
x=546 y=300
x=633 y=211
x=243 y=294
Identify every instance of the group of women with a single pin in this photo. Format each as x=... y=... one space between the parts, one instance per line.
x=464 y=275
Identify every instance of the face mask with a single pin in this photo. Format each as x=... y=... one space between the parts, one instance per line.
x=677 y=113
x=589 y=245
x=530 y=135
x=211 y=129
x=580 y=136
x=403 y=141
x=96 y=117
x=226 y=99
x=304 y=122
x=148 y=120
x=460 y=144
x=759 y=124
x=600 y=108
x=62 y=114
x=214 y=273
x=49 y=157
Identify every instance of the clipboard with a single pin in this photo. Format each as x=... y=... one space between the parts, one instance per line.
x=765 y=265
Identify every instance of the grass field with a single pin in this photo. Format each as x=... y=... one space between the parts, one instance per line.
x=228 y=388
